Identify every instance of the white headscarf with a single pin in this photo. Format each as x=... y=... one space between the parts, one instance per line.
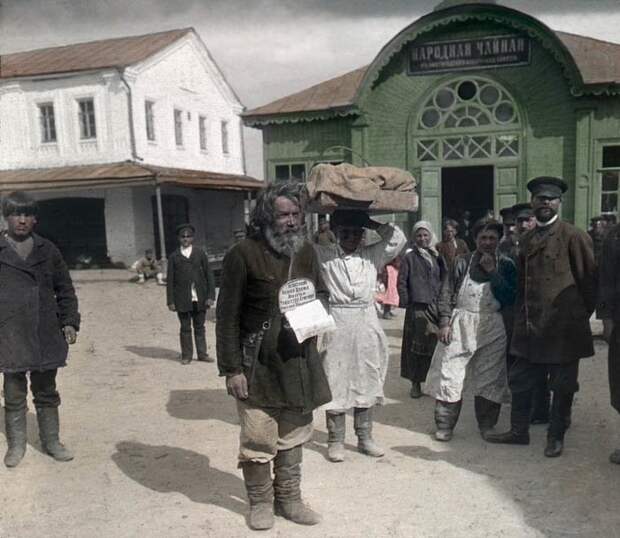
x=426 y=252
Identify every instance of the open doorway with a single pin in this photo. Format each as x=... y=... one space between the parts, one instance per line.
x=467 y=188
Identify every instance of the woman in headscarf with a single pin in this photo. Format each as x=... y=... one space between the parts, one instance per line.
x=355 y=355
x=451 y=246
x=419 y=282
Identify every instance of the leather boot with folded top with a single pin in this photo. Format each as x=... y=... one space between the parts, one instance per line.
x=287 y=488
x=259 y=487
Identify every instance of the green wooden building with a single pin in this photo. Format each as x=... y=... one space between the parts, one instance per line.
x=474 y=99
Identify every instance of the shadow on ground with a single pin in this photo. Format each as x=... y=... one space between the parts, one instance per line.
x=167 y=469
x=198 y=404
x=149 y=352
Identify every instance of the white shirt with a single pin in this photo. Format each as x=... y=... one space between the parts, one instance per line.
x=187 y=252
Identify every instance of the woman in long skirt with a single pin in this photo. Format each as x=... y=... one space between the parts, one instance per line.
x=419 y=282
x=356 y=354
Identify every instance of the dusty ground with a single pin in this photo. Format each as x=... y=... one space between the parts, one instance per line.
x=155 y=447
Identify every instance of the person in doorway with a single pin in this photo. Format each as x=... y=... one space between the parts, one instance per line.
x=324 y=236
x=356 y=355
x=451 y=246
x=608 y=309
x=508 y=243
x=541 y=399
x=148 y=267
x=276 y=381
x=41 y=320
x=465 y=230
x=419 y=281
x=472 y=334
x=388 y=298
x=190 y=291
x=556 y=296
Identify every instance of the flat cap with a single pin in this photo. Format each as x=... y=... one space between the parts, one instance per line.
x=185 y=226
x=552 y=187
x=508 y=215
x=523 y=211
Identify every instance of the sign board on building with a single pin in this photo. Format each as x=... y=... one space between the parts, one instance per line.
x=478 y=53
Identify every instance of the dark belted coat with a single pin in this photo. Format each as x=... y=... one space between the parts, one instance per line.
x=556 y=295
x=287 y=374
x=182 y=272
x=608 y=306
x=37 y=300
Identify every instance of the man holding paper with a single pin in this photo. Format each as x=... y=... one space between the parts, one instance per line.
x=356 y=355
x=276 y=378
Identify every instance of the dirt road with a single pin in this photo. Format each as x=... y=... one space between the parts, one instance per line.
x=156 y=442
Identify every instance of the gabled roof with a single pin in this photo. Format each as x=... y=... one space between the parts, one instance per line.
x=105 y=53
x=598 y=63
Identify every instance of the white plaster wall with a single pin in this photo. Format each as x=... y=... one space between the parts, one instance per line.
x=120 y=225
x=183 y=77
x=143 y=219
x=20 y=133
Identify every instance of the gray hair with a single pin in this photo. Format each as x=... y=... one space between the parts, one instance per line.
x=263 y=214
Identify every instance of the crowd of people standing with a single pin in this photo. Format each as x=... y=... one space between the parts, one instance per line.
x=509 y=316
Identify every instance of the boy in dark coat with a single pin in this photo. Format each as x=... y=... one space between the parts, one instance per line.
x=190 y=291
x=38 y=319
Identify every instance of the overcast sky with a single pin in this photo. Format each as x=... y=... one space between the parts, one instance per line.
x=268 y=48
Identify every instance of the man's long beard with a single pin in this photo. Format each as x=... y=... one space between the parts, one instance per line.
x=287 y=243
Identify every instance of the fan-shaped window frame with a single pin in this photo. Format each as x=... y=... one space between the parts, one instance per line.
x=458 y=124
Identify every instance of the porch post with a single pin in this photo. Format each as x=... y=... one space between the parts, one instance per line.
x=160 y=222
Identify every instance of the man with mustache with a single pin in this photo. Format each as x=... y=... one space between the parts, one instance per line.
x=556 y=295
x=276 y=381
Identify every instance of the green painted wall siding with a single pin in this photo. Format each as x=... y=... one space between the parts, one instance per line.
x=561 y=137
x=305 y=142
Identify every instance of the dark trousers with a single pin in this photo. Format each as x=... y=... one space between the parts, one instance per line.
x=525 y=377
x=196 y=318
x=42 y=385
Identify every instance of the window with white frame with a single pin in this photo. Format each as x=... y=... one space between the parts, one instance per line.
x=468 y=118
x=610 y=179
x=202 y=132
x=178 y=127
x=225 y=148
x=149 y=117
x=47 y=123
x=86 y=114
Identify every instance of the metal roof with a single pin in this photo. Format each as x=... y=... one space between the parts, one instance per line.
x=105 y=53
x=121 y=174
x=597 y=61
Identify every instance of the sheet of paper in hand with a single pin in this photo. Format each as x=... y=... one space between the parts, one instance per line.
x=304 y=312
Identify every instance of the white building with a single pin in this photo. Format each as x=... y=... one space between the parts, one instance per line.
x=123 y=138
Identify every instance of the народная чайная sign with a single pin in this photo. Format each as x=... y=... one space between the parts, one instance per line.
x=482 y=52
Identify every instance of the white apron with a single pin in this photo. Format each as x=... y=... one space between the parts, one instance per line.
x=477 y=350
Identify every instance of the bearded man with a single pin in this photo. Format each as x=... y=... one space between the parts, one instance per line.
x=556 y=295
x=276 y=381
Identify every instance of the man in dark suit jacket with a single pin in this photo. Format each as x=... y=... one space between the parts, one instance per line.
x=190 y=291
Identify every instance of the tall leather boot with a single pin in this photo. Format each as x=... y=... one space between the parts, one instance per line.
x=520 y=412
x=287 y=488
x=487 y=414
x=446 y=416
x=201 y=347
x=47 y=417
x=15 y=426
x=560 y=417
x=362 y=420
x=187 y=346
x=259 y=487
x=335 y=436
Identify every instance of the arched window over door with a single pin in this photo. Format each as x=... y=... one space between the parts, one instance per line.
x=468 y=118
